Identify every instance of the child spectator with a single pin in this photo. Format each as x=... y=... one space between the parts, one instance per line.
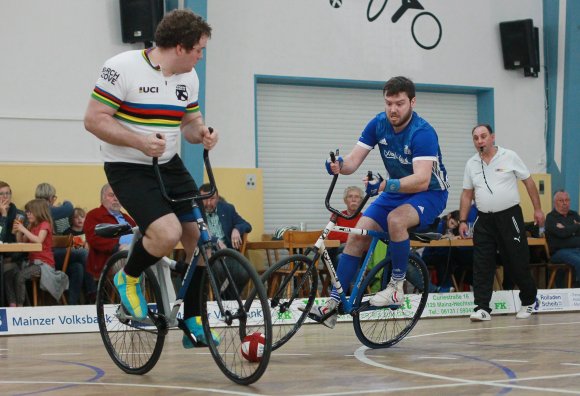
x=77 y=221
x=40 y=264
x=79 y=256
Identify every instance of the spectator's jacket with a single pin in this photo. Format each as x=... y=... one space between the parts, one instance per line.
x=100 y=249
x=563 y=238
x=229 y=220
x=6 y=235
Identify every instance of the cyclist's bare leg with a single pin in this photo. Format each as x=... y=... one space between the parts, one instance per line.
x=399 y=221
x=162 y=235
x=356 y=245
x=192 y=306
x=189 y=239
x=159 y=239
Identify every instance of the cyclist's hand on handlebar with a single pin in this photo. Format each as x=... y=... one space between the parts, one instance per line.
x=154 y=145
x=209 y=139
x=333 y=168
x=373 y=184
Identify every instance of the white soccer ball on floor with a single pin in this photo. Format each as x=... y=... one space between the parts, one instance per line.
x=253 y=347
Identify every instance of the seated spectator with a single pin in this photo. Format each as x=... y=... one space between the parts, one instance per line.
x=60 y=213
x=223 y=221
x=11 y=261
x=61 y=221
x=448 y=261
x=440 y=258
x=100 y=249
x=227 y=226
x=40 y=264
x=77 y=222
x=80 y=249
x=563 y=233
x=352 y=197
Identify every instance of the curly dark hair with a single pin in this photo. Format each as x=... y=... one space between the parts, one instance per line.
x=181 y=27
x=399 y=84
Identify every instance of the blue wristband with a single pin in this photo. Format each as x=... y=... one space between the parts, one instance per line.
x=393 y=185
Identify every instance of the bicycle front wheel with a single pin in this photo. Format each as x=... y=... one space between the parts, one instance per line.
x=134 y=346
x=234 y=306
x=384 y=327
x=290 y=283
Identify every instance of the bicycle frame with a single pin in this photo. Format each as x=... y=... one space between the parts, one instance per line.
x=321 y=252
x=162 y=267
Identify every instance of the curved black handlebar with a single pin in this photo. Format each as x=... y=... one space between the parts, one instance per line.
x=331 y=189
x=212 y=184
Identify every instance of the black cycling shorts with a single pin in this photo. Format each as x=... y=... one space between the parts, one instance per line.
x=137 y=189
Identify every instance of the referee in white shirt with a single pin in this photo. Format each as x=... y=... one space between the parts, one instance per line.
x=491 y=180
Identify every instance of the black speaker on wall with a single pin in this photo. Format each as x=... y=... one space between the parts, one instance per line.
x=139 y=19
x=520 y=46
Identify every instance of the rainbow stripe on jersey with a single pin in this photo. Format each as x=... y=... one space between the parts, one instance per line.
x=145 y=114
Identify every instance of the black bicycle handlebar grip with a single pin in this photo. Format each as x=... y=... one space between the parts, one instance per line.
x=332 y=157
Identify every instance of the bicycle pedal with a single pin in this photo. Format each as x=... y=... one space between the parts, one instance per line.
x=160 y=321
x=364 y=306
x=315 y=318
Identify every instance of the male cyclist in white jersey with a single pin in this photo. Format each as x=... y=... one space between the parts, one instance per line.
x=142 y=102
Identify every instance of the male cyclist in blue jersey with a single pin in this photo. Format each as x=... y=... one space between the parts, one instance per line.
x=414 y=194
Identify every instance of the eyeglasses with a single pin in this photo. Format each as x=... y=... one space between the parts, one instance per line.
x=5 y=194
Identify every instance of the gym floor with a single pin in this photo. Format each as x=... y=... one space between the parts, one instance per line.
x=505 y=356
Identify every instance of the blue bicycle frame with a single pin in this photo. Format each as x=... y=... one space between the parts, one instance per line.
x=347 y=304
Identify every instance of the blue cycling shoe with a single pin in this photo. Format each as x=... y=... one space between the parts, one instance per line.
x=132 y=298
x=196 y=329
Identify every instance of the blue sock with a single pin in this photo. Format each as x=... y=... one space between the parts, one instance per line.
x=400 y=255
x=347 y=267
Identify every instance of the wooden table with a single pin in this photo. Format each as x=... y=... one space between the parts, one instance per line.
x=275 y=245
x=20 y=247
x=13 y=248
x=446 y=242
x=279 y=244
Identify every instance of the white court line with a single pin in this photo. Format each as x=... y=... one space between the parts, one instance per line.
x=361 y=356
x=570 y=364
x=509 y=360
x=293 y=354
x=490 y=328
x=61 y=354
x=173 y=387
x=360 y=353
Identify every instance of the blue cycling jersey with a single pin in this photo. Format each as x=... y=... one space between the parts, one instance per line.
x=418 y=141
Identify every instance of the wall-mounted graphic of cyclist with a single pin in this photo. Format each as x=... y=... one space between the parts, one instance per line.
x=425 y=28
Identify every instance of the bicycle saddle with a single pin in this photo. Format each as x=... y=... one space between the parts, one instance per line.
x=113 y=230
x=425 y=236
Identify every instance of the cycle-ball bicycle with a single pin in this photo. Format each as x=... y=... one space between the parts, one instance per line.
x=293 y=282
x=233 y=302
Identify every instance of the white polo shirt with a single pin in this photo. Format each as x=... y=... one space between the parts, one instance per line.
x=502 y=173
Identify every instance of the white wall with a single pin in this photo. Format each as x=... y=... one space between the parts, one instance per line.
x=51 y=57
x=55 y=50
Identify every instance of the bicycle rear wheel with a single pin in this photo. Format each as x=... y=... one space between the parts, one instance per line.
x=134 y=346
x=234 y=305
x=384 y=327
x=290 y=282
